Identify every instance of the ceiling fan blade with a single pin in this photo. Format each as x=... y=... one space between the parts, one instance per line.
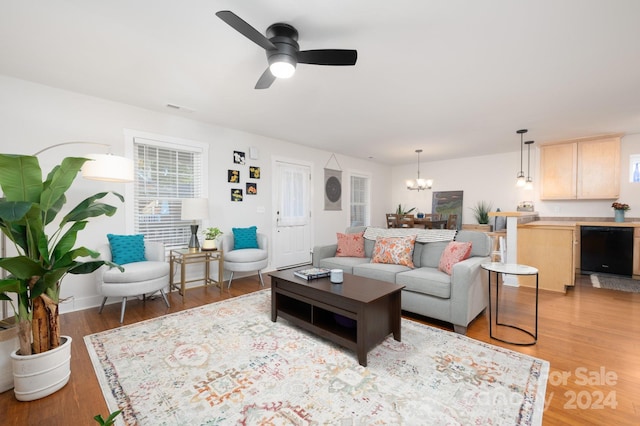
x=245 y=29
x=266 y=80
x=328 y=57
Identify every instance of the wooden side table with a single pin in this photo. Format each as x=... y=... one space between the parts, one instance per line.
x=184 y=257
x=511 y=269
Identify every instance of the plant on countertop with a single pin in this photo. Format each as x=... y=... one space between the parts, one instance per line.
x=620 y=206
x=402 y=210
x=29 y=206
x=481 y=212
x=212 y=233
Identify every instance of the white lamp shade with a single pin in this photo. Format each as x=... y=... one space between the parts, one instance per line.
x=195 y=208
x=107 y=167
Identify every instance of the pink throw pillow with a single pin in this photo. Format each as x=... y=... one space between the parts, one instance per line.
x=350 y=245
x=454 y=252
x=394 y=250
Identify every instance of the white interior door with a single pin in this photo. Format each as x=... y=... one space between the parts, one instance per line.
x=292 y=233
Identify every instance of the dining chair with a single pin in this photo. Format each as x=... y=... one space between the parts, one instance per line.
x=392 y=220
x=406 y=220
x=452 y=221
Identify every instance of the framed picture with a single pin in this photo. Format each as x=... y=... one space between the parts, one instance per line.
x=447 y=203
x=236 y=194
x=233 y=176
x=332 y=189
x=239 y=157
x=254 y=172
x=252 y=188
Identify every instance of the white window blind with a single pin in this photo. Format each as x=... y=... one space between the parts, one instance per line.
x=165 y=174
x=359 y=201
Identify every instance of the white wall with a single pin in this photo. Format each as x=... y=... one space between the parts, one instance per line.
x=34 y=116
x=492 y=178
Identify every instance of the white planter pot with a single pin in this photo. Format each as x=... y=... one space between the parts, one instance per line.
x=209 y=245
x=8 y=344
x=39 y=375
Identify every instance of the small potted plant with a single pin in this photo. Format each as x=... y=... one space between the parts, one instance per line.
x=210 y=237
x=481 y=212
x=619 y=210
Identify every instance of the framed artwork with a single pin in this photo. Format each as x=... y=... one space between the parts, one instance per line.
x=252 y=188
x=236 y=194
x=332 y=189
x=254 y=172
x=233 y=176
x=447 y=203
x=239 y=157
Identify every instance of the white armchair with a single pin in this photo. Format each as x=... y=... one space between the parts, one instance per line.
x=138 y=278
x=245 y=259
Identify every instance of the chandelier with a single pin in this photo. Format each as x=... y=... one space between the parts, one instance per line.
x=419 y=184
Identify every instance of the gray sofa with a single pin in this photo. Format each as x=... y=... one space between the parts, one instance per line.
x=457 y=298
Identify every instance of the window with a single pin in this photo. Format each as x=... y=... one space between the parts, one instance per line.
x=166 y=171
x=359 y=202
x=634 y=168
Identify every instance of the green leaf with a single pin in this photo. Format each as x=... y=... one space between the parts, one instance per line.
x=59 y=180
x=89 y=208
x=22 y=267
x=10 y=285
x=20 y=177
x=13 y=211
x=68 y=240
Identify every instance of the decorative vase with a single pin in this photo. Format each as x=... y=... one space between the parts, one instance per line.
x=39 y=375
x=619 y=215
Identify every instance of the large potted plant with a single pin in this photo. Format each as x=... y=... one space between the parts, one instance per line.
x=45 y=255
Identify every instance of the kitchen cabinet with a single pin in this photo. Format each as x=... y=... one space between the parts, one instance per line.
x=587 y=169
x=551 y=249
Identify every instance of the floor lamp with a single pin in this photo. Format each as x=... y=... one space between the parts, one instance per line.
x=194 y=209
x=104 y=167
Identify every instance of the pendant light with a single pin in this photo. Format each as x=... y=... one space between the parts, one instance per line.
x=529 y=183
x=521 y=181
x=419 y=184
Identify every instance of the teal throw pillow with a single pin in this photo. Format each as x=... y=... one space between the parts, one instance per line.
x=245 y=238
x=126 y=248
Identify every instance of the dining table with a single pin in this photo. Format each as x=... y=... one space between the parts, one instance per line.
x=430 y=224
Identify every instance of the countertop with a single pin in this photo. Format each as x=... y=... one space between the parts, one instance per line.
x=573 y=224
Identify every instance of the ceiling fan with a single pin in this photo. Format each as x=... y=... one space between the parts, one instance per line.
x=282 y=49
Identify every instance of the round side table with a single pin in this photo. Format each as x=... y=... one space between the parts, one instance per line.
x=510 y=269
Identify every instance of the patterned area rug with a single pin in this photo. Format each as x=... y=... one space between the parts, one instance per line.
x=227 y=363
x=615 y=283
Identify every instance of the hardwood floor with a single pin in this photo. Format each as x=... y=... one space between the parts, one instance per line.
x=590 y=336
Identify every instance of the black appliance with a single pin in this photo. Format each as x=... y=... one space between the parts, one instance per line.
x=606 y=249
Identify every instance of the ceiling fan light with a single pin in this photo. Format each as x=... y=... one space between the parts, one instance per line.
x=282 y=66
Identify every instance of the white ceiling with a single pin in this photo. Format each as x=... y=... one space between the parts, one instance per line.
x=456 y=78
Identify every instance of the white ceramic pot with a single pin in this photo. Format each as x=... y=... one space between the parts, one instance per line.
x=209 y=245
x=39 y=375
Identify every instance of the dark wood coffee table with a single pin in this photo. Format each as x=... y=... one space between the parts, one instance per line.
x=357 y=314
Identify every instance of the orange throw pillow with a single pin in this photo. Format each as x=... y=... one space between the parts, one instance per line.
x=394 y=250
x=454 y=252
x=350 y=245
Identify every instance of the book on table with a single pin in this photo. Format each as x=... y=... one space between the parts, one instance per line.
x=312 y=273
